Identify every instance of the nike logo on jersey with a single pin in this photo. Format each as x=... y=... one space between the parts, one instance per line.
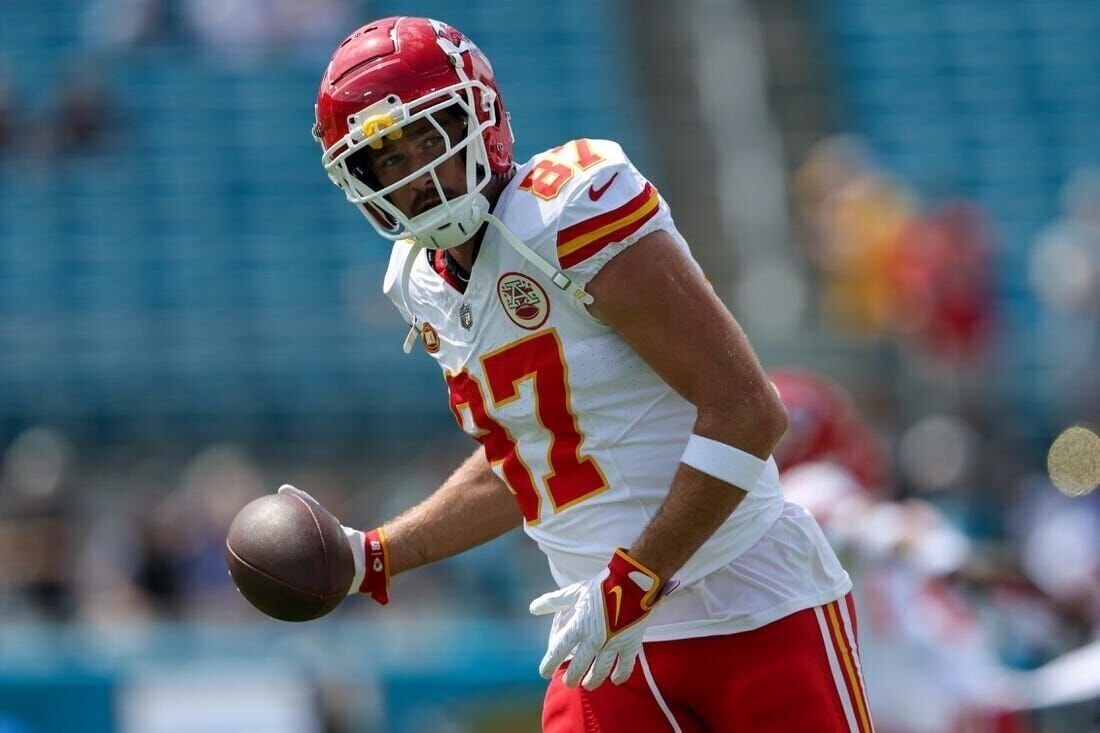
x=596 y=193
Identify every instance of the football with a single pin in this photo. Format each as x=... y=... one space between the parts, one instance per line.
x=289 y=557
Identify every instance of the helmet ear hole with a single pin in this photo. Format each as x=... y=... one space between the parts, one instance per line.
x=359 y=166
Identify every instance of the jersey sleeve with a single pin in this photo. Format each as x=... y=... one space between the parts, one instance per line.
x=613 y=208
x=392 y=285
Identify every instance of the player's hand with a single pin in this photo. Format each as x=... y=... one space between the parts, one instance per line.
x=372 y=575
x=610 y=613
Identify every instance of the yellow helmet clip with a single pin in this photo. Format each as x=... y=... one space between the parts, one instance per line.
x=375 y=123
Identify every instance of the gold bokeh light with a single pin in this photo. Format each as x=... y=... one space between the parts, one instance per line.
x=1074 y=461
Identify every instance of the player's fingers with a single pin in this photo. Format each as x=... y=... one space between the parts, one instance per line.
x=553 y=658
x=558 y=650
x=624 y=667
x=599 y=670
x=558 y=600
x=580 y=663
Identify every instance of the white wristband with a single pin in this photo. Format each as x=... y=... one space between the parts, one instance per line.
x=724 y=462
x=359 y=552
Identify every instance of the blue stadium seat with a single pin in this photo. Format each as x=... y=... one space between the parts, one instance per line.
x=198 y=267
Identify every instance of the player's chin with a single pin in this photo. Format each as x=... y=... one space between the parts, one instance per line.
x=425 y=208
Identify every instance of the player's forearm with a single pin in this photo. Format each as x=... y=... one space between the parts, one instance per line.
x=472 y=507
x=697 y=503
x=696 y=506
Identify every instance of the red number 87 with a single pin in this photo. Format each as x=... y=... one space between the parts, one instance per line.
x=550 y=174
x=573 y=476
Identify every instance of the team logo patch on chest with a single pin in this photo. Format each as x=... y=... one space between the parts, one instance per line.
x=523 y=299
x=431 y=338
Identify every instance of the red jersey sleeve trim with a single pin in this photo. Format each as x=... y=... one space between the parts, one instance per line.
x=580 y=241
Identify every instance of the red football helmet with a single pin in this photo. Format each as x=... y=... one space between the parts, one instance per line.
x=823 y=427
x=388 y=74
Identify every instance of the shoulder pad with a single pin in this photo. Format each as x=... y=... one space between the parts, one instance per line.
x=609 y=204
x=585 y=193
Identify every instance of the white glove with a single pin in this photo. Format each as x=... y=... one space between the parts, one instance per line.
x=356 y=539
x=610 y=614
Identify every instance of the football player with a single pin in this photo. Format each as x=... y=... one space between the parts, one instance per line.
x=622 y=416
x=927 y=646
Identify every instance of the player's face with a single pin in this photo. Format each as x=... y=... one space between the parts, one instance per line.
x=419 y=145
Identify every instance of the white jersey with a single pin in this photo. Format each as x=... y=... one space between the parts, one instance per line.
x=583 y=431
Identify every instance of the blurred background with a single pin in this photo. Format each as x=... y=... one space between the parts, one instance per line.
x=898 y=199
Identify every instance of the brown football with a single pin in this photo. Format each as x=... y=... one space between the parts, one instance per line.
x=289 y=557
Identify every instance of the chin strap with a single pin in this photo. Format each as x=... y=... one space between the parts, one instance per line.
x=556 y=276
x=578 y=295
x=406 y=271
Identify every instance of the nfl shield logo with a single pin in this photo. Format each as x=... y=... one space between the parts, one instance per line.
x=465 y=317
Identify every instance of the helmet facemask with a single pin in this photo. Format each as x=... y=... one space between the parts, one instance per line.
x=455 y=219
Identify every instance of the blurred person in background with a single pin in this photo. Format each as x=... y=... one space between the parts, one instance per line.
x=82 y=121
x=855 y=213
x=41 y=525
x=9 y=123
x=1059 y=546
x=239 y=29
x=647 y=414
x=942 y=282
x=197 y=515
x=921 y=647
x=891 y=268
x=1064 y=274
x=161 y=554
x=946 y=626
x=232 y=29
x=117 y=24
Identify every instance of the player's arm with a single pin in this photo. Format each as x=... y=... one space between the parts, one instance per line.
x=657 y=299
x=472 y=507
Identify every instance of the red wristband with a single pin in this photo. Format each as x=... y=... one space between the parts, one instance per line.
x=377 y=577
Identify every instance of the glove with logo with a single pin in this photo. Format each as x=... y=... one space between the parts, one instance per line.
x=372 y=566
x=610 y=613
